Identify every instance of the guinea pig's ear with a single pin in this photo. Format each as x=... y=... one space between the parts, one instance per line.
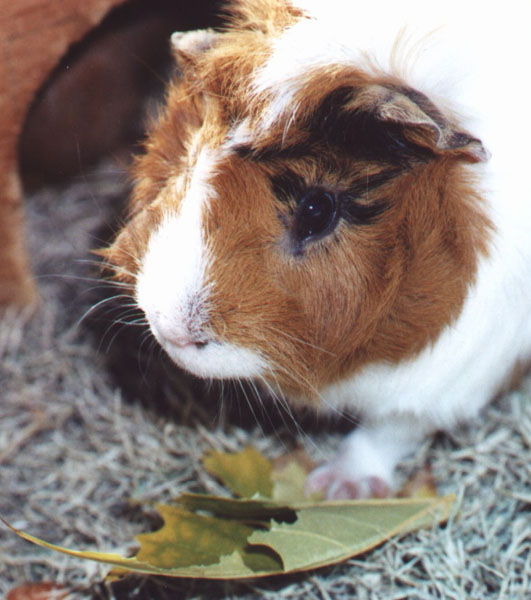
x=394 y=120
x=188 y=46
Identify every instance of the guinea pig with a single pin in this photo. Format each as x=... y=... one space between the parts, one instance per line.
x=335 y=202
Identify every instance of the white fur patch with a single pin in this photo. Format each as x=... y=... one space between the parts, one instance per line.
x=280 y=79
x=172 y=276
x=239 y=135
x=172 y=286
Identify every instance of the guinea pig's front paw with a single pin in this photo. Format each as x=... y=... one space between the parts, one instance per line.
x=365 y=463
x=336 y=483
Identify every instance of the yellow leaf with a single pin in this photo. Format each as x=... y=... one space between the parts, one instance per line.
x=289 y=477
x=246 y=473
x=188 y=539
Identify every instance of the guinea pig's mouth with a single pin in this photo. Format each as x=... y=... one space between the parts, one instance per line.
x=213 y=359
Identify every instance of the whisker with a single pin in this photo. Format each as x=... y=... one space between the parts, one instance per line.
x=102 y=283
x=284 y=403
x=296 y=377
x=135 y=258
x=221 y=411
x=101 y=303
x=277 y=403
x=140 y=321
x=119 y=330
x=102 y=266
x=301 y=341
x=299 y=379
x=154 y=351
x=250 y=405
x=149 y=339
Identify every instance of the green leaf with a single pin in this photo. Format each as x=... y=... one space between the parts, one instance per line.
x=331 y=532
x=246 y=473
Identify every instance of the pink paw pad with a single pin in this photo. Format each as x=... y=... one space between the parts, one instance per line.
x=335 y=486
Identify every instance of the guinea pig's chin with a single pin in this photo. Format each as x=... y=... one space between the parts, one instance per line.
x=216 y=360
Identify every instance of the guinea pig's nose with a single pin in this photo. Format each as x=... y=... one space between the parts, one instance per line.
x=176 y=333
x=186 y=340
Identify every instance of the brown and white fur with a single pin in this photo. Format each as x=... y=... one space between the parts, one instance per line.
x=336 y=202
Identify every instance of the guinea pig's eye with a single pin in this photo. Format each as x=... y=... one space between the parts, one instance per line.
x=316 y=214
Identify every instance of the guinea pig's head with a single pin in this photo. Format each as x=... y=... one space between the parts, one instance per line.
x=295 y=230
